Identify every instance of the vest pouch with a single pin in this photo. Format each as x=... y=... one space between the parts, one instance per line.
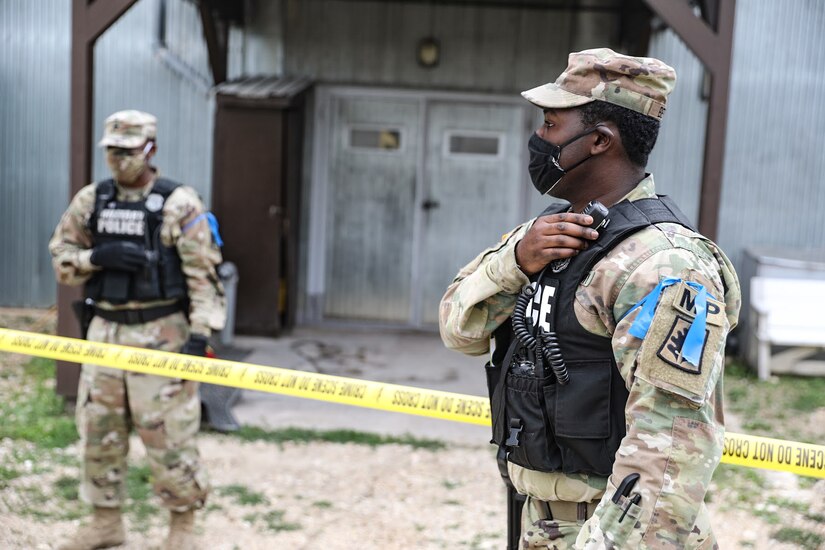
x=582 y=420
x=496 y=392
x=524 y=401
x=115 y=286
x=173 y=282
x=147 y=282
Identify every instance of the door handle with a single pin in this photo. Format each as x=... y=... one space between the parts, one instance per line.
x=429 y=204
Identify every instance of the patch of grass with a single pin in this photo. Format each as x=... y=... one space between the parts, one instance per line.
x=40 y=369
x=452 y=502
x=272 y=520
x=302 y=435
x=769 y=515
x=450 y=485
x=322 y=504
x=757 y=426
x=816 y=518
x=35 y=413
x=67 y=488
x=242 y=495
x=7 y=474
x=788 y=504
x=139 y=503
x=800 y=537
x=769 y=406
x=742 y=482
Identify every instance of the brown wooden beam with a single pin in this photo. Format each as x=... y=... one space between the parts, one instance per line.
x=90 y=19
x=216 y=34
x=714 y=47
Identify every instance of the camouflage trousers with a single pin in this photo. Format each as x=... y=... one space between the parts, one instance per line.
x=165 y=412
x=546 y=534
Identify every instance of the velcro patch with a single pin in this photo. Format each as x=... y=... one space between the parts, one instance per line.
x=660 y=358
x=685 y=301
x=671 y=350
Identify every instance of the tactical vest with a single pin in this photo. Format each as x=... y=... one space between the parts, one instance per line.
x=576 y=427
x=139 y=222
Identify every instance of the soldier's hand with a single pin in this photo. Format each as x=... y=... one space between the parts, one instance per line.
x=553 y=237
x=120 y=255
x=196 y=345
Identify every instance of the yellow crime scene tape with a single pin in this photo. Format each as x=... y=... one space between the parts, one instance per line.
x=743 y=450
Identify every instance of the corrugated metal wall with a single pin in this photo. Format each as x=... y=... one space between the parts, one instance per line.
x=34 y=109
x=483 y=49
x=773 y=192
x=676 y=161
x=34 y=144
x=130 y=75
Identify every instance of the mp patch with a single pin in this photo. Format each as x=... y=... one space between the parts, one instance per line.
x=661 y=359
x=685 y=302
x=672 y=346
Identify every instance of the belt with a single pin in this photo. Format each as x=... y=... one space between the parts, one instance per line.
x=565 y=511
x=137 y=316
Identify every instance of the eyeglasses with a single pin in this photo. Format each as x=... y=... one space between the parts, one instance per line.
x=128 y=152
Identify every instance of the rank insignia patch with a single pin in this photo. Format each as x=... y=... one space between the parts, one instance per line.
x=671 y=350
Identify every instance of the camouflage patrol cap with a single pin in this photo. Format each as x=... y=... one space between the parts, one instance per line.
x=640 y=84
x=128 y=129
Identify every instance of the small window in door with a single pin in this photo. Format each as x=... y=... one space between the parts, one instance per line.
x=375 y=139
x=475 y=144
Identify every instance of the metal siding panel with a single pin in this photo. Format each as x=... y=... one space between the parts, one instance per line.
x=676 y=160
x=773 y=162
x=773 y=193
x=34 y=144
x=129 y=76
x=483 y=49
x=34 y=108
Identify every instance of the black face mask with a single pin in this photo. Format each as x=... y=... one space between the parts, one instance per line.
x=544 y=167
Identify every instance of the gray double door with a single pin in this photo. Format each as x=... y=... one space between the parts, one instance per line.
x=416 y=187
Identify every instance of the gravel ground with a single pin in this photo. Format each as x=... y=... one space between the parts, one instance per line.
x=336 y=495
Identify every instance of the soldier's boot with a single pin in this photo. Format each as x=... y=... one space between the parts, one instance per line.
x=103 y=531
x=181 y=531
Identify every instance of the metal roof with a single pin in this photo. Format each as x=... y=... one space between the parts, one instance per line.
x=274 y=90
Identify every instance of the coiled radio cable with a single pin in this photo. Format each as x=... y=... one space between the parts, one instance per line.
x=547 y=344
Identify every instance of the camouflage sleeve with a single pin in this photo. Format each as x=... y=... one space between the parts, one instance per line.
x=185 y=228
x=71 y=242
x=482 y=296
x=675 y=424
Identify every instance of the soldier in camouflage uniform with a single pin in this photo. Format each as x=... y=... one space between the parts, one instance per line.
x=661 y=418
x=143 y=247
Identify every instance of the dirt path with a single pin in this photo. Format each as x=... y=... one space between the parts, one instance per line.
x=344 y=496
x=339 y=496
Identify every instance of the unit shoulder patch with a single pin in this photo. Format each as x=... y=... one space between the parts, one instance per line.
x=685 y=301
x=671 y=351
x=662 y=360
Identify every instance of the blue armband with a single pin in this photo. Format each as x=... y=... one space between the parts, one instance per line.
x=692 y=347
x=213 y=226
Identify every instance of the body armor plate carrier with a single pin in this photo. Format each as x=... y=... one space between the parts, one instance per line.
x=573 y=427
x=139 y=222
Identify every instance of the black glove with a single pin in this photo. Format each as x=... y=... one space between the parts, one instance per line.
x=120 y=255
x=196 y=345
